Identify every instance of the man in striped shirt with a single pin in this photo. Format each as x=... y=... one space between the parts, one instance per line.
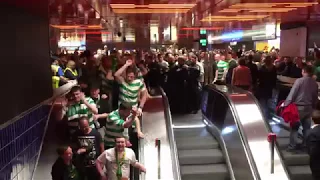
x=130 y=88
x=79 y=106
x=221 y=72
x=117 y=121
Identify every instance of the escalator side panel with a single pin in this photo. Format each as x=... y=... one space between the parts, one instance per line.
x=154 y=127
x=253 y=131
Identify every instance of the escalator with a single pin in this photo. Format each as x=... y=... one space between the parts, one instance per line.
x=297 y=163
x=227 y=140
x=199 y=154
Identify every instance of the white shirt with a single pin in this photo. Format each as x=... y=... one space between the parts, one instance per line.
x=108 y=158
x=200 y=64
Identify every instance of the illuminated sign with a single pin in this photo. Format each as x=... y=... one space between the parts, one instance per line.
x=203 y=31
x=203 y=42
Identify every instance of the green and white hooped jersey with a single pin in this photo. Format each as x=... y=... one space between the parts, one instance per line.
x=129 y=92
x=113 y=129
x=77 y=111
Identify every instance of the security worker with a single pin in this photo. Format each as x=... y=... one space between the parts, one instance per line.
x=71 y=72
x=58 y=78
x=55 y=78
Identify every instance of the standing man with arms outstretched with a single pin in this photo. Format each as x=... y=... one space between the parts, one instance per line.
x=117 y=161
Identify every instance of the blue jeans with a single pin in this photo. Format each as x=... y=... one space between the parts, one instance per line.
x=305 y=113
x=264 y=102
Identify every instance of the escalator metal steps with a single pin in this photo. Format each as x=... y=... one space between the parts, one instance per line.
x=199 y=155
x=297 y=163
x=203 y=156
x=197 y=143
x=205 y=172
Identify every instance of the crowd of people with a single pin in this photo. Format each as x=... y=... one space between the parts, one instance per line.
x=102 y=112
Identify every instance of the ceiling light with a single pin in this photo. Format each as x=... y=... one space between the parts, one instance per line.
x=298 y=3
x=237 y=17
x=226 y=20
x=243 y=5
x=272 y=10
x=230 y=10
x=198 y=28
x=76 y=26
x=246 y=5
x=152 y=6
x=297 y=6
x=150 y=11
x=171 y=5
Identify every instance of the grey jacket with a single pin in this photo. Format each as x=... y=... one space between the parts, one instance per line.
x=304 y=92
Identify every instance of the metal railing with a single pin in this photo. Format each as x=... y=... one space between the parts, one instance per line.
x=173 y=146
x=22 y=138
x=141 y=151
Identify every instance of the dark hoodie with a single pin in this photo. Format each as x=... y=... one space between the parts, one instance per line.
x=313 y=145
x=61 y=171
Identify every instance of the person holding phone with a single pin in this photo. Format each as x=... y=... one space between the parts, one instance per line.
x=77 y=106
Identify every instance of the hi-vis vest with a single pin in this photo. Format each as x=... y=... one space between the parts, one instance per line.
x=55 y=82
x=55 y=69
x=74 y=72
x=55 y=78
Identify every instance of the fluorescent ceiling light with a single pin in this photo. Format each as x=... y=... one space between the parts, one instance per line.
x=153 y=6
x=233 y=18
x=272 y=4
x=267 y=7
x=225 y=20
x=149 y=11
x=198 y=28
x=76 y=26
x=272 y=10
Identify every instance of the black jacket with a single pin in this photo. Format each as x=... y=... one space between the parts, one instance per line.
x=60 y=170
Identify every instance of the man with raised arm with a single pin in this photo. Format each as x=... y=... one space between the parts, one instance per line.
x=130 y=88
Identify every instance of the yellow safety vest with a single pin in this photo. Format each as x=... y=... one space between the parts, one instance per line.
x=55 y=69
x=74 y=72
x=55 y=82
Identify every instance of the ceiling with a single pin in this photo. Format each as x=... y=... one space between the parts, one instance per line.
x=220 y=14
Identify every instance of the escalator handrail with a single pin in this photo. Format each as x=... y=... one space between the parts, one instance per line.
x=173 y=147
x=277 y=147
x=62 y=92
x=241 y=131
x=141 y=150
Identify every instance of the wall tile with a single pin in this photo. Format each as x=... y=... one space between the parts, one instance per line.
x=20 y=144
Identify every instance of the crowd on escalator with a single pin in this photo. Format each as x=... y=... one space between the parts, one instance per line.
x=101 y=114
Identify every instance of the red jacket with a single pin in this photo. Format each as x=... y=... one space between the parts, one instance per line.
x=290 y=113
